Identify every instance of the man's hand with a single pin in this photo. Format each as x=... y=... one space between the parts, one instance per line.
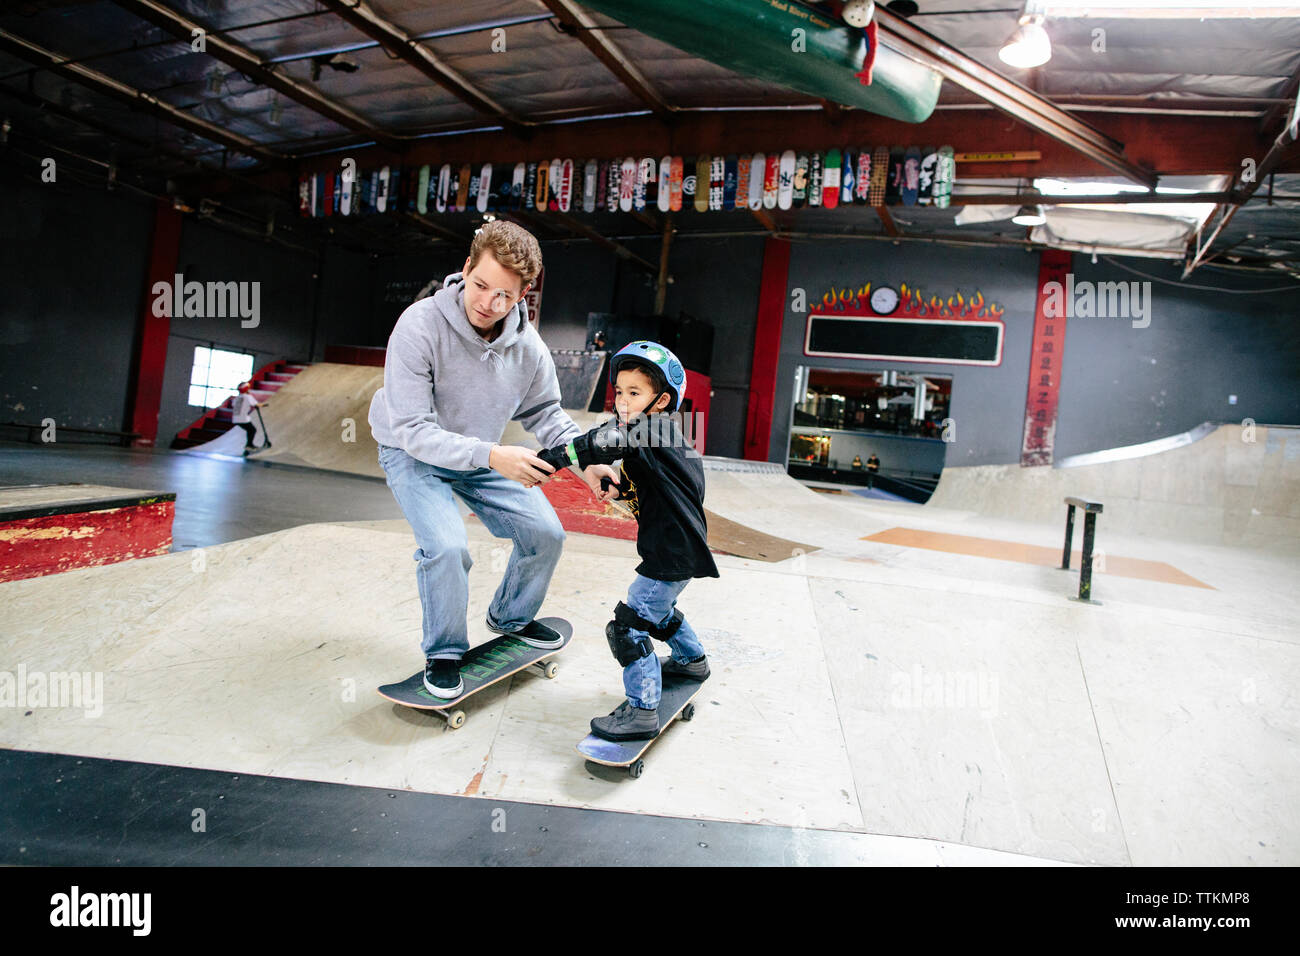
x=521 y=465
x=592 y=476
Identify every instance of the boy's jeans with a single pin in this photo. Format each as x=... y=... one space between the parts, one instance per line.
x=655 y=601
x=507 y=509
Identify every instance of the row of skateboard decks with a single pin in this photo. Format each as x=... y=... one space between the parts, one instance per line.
x=883 y=176
x=502 y=657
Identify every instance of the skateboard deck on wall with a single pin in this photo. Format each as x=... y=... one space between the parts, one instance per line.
x=627 y=183
x=847 y=178
x=717 y=181
x=729 y=176
x=771 y=180
x=911 y=175
x=589 y=171
x=815 y=179
x=799 y=184
x=785 y=180
x=862 y=179
x=945 y=176
x=831 y=179
x=757 y=178
x=894 y=189
x=675 y=184
x=702 y=164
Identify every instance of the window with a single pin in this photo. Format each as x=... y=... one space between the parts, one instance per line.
x=217 y=374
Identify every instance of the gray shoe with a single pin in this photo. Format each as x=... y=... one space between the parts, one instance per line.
x=626 y=722
x=699 y=670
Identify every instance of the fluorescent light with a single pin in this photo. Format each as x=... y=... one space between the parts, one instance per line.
x=1028 y=47
x=1171 y=9
x=1196 y=212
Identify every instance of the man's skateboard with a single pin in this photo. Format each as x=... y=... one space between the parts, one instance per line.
x=677 y=701
x=482 y=666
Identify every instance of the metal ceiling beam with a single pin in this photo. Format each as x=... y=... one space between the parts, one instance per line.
x=590 y=34
x=1281 y=111
x=887 y=220
x=1012 y=98
x=249 y=64
x=581 y=228
x=765 y=218
x=401 y=44
x=102 y=83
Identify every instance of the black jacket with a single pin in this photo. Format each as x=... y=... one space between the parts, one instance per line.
x=663 y=485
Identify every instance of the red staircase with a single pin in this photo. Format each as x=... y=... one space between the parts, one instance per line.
x=215 y=422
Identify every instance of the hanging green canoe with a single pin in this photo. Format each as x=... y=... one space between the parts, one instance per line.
x=759 y=38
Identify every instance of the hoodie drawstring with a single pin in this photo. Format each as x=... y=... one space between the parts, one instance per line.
x=494 y=354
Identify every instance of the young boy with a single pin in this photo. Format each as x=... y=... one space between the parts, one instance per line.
x=241 y=410
x=664 y=487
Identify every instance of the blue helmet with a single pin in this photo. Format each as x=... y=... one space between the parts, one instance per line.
x=644 y=352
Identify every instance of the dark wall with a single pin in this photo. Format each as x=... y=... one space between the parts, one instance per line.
x=1120 y=385
x=72 y=273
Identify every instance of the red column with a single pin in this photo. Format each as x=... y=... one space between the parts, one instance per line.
x=767 y=348
x=1045 y=358
x=150 y=359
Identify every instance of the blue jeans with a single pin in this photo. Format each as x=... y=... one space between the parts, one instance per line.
x=655 y=601
x=507 y=509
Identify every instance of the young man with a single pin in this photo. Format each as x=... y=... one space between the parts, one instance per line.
x=460 y=365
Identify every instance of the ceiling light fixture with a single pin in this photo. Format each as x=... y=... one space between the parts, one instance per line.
x=1029 y=216
x=1028 y=46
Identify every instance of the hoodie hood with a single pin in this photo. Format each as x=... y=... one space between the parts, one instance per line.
x=450 y=300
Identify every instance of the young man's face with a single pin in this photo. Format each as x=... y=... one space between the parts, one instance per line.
x=633 y=392
x=491 y=290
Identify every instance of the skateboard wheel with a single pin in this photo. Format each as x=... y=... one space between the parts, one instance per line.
x=456 y=720
x=551 y=669
x=688 y=712
x=636 y=769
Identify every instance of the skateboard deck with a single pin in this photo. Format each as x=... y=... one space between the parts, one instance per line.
x=701 y=195
x=911 y=175
x=381 y=199
x=329 y=194
x=945 y=173
x=879 y=176
x=481 y=667
x=675 y=184
x=553 y=185
x=799 y=185
x=677 y=701
x=785 y=180
x=815 y=179
x=831 y=179
x=862 y=182
x=757 y=176
x=717 y=181
x=422 y=192
x=462 y=188
x=847 y=178
x=589 y=172
x=742 y=180
x=729 y=183
x=771 y=180
x=566 y=185
x=345 y=192
x=894 y=188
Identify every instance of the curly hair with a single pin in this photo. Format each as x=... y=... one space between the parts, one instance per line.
x=511 y=245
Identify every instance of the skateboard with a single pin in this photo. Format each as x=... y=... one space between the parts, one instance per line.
x=345 y=193
x=742 y=181
x=650 y=190
x=381 y=197
x=831 y=179
x=847 y=180
x=664 y=195
x=329 y=195
x=717 y=181
x=757 y=176
x=612 y=171
x=925 y=175
x=729 y=183
x=482 y=666
x=785 y=180
x=862 y=183
x=304 y=196
x=589 y=171
x=894 y=186
x=702 y=164
x=944 y=175
x=677 y=701
x=553 y=185
x=815 y=179
x=566 y=185
x=462 y=188
x=641 y=185
x=879 y=176
x=771 y=180
x=911 y=175
x=799 y=186
x=422 y=192
x=675 y=185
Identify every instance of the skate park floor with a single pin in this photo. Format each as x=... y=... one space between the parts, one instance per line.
x=872 y=701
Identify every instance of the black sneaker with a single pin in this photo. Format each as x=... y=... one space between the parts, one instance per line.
x=533 y=633
x=442 y=678
x=626 y=722
x=694 y=670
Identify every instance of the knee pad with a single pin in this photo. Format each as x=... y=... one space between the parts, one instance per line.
x=626 y=648
x=669 y=629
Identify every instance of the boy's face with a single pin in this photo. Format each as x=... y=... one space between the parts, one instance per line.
x=491 y=290
x=633 y=391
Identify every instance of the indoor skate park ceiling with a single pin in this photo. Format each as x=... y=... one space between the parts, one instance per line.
x=1241 y=66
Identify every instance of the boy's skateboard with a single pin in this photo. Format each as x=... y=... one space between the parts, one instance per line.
x=482 y=666
x=677 y=701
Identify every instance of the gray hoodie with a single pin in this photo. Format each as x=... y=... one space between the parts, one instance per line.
x=448 y=393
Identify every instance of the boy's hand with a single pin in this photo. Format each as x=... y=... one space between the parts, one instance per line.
x=592 y=476
x=519 y=464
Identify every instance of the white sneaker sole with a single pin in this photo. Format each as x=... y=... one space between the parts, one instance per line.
x=443 y=692
x=531 y=642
